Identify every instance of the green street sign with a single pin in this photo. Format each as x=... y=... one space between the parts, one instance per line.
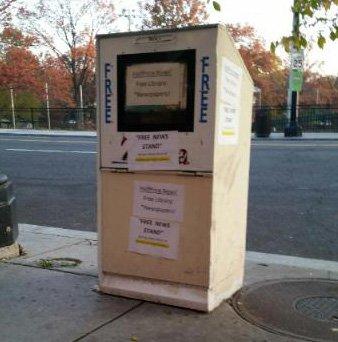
x=296 y=80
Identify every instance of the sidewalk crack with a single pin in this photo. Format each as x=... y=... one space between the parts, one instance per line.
x=108 y=322
x=29 y=256
x=17 y=263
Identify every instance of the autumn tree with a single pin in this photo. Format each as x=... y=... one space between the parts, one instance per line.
x=85 y=56
x=19 y=68
x=28 y=73
x=13 y=37
x=59 y=82
x=67 y=29
x=319 y=89
x=265 y=68
x=173 y=13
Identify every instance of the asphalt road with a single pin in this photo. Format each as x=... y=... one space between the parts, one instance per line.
x=54 y=178
x=293 y=198
x=293 y=201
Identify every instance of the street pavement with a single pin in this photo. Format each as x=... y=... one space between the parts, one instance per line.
x=54 y=179
x=292 y=203
x=293 y=198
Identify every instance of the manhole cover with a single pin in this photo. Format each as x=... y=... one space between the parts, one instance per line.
x=321 y=308
x=302 y=308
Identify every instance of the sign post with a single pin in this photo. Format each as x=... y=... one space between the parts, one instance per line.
x=295 y=84
x=296 y=80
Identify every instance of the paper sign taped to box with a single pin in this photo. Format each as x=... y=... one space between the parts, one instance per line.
x=154 y=237
x=156 y=84
x=153 y=151
x=230 y=103
x=158 y=200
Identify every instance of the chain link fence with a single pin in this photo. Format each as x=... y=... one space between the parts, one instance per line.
x=52 y=118
x=310 y=118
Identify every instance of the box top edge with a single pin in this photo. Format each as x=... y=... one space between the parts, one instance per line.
x=157 y=31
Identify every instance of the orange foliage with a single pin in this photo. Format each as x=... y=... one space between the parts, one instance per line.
x=20 y=69
x=168 y=13
x=23 y=71
x=319 y=89
x=271 y=76
x=265 y=68
x=11 y=36
x=59 y=83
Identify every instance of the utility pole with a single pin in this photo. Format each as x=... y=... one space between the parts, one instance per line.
x=81 y=116
x=293 y=129
x=47 y=105
x=81 y=97
x=13 y=109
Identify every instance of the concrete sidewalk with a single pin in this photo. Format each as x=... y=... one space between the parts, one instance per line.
x=46 y=300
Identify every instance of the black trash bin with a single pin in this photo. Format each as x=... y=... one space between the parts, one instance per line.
x=262 y=123
x=8 y=220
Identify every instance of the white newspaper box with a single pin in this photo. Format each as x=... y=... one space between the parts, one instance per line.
x=174 y=118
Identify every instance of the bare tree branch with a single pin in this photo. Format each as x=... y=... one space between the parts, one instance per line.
x=67 y=29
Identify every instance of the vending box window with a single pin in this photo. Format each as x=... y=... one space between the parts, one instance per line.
x=174 y=115
x=156 y=91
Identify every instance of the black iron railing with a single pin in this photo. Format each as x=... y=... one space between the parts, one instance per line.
x=311 y=118
x=52 y=118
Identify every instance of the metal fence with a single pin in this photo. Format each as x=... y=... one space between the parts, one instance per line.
x=54 y=118
x=310 y=118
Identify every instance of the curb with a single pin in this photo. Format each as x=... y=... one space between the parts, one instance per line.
x=33 y=133
x=57 y=231
x=294 y=139
x=250 y=256
x=91 y=134
x=306 y=136
x=292 y=261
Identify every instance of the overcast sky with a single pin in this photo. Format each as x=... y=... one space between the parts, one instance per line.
x=271 y=18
